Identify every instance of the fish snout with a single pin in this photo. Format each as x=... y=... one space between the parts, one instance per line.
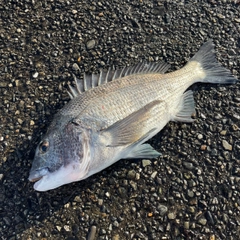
x=37 y=174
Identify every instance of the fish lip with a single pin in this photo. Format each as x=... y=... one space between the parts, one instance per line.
x=37 y=175
x=35 y=179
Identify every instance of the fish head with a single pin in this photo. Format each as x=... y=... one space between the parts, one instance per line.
x=61 y=157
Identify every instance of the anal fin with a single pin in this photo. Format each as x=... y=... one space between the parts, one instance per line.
x=186 y=108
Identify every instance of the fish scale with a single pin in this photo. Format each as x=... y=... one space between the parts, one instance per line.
x=121 y=101
x=112 y=115
x=119 y=104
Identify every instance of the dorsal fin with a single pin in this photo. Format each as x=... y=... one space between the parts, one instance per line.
x=94 y=80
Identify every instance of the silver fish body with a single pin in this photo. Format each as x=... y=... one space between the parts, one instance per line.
x=111 y=115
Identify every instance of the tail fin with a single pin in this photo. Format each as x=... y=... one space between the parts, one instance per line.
x=215 y=73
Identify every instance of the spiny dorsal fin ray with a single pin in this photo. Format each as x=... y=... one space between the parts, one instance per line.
x=94 y=80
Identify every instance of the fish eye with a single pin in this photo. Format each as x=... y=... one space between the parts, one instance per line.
x=43 y=147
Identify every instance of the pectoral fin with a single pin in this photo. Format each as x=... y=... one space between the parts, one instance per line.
x=143 y=151
x=129 y=129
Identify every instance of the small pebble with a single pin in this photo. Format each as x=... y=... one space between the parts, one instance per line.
x=186 y=224
x=20 y=121
x=32 y=122
x=200 y=136
x=77 y=199
x=190 y=193
x=146 y=163
x=171 y=215
x=191 y=209
x=133 y=185
x=202 y=221
x=16 y=82
x=150 y=214
x=212 y=237
x=35 y=75
x=154 y=174
x=209 y=217
x=67 y=228
x=131 y=174
x=100 y=202
x=226 y=145
x=116 y=224
x=107 y=194
x=162 y=210
x=67 y=205
x=75 y=67
x=193 y=201
x=59 y=228
x=116 y=237
x=235 y=127
x=91 y=44
x=203 y=147
x=188 y=165
x=92 y=233
x=223 y=132
x=137 y=176
x=236 y=116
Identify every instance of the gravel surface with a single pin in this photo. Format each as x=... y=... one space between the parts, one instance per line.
x=191 y=192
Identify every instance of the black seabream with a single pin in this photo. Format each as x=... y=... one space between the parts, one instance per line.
x=112 y=114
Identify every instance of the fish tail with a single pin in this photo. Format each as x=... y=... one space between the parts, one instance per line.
x=211 y=71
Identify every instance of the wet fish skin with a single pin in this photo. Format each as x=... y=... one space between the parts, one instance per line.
x=111 y=116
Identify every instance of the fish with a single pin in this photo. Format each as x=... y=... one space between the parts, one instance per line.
x=112 y=114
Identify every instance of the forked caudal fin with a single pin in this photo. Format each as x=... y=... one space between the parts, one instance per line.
x=213 y=71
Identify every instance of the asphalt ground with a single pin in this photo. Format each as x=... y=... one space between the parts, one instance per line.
x=192 y=191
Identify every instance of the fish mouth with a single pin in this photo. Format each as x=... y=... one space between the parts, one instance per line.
x=37 y=174
x=35 y=179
